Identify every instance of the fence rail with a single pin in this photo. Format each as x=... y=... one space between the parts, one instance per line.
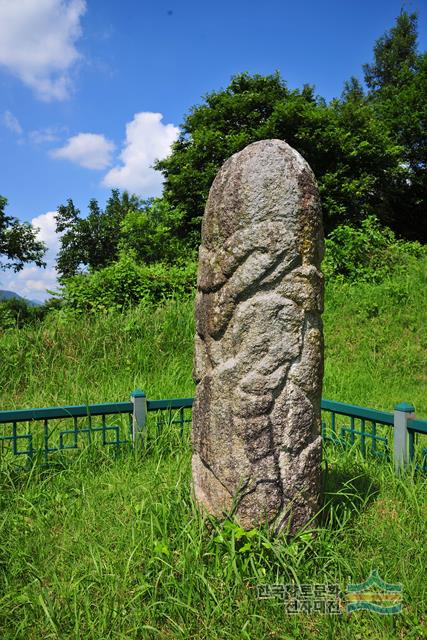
x=29 y=432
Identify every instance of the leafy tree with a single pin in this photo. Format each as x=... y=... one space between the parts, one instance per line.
x=355 y=160
x=91 y=242
x=145 y=228
x=367 y=168
x=394 y=52
x=353 y=90
x=150 y=232
x=213 y=131
x=397 y=89
x=18 y=242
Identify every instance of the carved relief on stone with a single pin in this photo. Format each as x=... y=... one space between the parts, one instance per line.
x=258 y=362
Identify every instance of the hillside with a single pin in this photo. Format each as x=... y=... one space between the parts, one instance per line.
x=375 y=350
x=8 y=295
x=111 y=546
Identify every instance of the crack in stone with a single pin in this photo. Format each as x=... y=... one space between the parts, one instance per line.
x=209 y=468
x=259 y=483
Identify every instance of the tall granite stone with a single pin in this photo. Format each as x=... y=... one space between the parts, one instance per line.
x=258 y=363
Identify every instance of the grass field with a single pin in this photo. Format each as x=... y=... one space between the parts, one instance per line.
x=112 y=546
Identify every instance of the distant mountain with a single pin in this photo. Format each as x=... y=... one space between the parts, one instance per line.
x=7 y=295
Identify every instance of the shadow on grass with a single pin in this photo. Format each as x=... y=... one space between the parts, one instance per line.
x=346 y=494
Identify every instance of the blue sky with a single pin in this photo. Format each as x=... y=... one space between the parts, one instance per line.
x=92 y=91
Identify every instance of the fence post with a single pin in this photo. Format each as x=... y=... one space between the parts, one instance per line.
x=139 y=416
x=402 y=413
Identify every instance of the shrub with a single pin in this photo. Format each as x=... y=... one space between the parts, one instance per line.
x=126 y=283
x=16 y=312
x=368 y=253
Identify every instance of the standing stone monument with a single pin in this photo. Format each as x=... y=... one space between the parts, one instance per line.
x=258 y=361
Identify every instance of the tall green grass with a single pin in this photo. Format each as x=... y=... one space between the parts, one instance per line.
x=113 y=546
x=99 y=358
x=375 y=350
x=376 y=341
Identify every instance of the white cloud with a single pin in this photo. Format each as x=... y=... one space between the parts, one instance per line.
x=46 y=224
x=147 y=140
x=11 y=122
x=90 y=150
x=37 y=136
x=37 y=43
x=49 y=134
x=31 y=282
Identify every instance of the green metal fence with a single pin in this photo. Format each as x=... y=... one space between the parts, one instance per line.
x=344 y=424
x=46 y=434
x=382 y=434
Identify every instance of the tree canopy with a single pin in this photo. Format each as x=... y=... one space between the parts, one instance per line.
x=354 y=158
x=368 y=150
x=395 y=55
x=18 y=242
x=91 y=242
x=397 y=90
x=146 y=229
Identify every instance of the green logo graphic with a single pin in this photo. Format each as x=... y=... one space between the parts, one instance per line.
x=374 y=595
